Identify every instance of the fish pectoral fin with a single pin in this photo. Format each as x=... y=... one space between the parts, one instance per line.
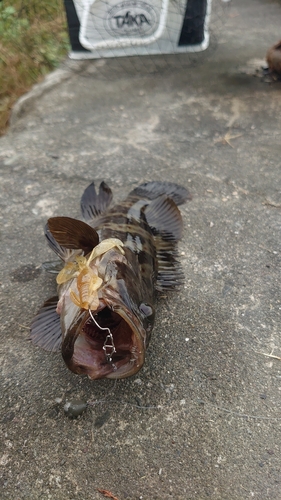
x=164 y=218
x=93 y=204
x=63 y=253
x=52 y=266
x=45 y=329
x=73 y=233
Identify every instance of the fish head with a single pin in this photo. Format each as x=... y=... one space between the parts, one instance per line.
x=108 y=336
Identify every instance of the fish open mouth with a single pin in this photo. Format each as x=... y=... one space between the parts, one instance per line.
x=108 y=345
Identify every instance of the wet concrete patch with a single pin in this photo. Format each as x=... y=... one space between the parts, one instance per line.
x=25 y=273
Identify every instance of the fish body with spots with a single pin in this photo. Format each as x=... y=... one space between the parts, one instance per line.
x=114 y=263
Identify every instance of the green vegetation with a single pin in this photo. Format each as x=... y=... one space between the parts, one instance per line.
x=33 y=40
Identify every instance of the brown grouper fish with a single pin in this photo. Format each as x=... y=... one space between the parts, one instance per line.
x=115 y=261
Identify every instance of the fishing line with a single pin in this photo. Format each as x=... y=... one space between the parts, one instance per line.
x=108 y=346
x=124 y=402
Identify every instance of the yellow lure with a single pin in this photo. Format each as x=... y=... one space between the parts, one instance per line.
x=88 y=281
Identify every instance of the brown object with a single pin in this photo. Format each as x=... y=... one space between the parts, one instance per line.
x=73 y=234
x=107 y=494
x=273 y=58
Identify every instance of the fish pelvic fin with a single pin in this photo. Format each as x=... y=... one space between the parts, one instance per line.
x=93 y=204
x=153 y=189
x=72 y=234
x=45 y=329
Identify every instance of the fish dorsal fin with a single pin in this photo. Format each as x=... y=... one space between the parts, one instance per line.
x=170 y=274
x=164 y=217
x=73 y=234
x=153 y=189
x=93 y=204
x=45 y=328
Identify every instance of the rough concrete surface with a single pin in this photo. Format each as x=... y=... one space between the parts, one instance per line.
x=202 y=418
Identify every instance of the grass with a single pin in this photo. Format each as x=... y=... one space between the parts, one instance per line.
x=33 y=40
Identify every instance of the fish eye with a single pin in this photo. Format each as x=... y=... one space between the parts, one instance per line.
x=146 y=309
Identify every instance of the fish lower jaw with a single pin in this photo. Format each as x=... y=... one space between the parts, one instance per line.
x=107 y=347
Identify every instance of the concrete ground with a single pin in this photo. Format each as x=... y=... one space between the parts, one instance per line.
x=202 y=418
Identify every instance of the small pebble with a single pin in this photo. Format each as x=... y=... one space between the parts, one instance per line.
x=74 y=408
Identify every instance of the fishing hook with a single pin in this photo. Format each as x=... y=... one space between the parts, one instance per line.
x=108 y=343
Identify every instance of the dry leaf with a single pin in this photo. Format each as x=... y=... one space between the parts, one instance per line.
x=107 y=494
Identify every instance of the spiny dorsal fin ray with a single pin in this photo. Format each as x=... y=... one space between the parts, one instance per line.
x=45 y=328
x=73 y=234
x=169 y=280
x=163 y=217
x=153 y=189
x=170 y=274
x=93 y=204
